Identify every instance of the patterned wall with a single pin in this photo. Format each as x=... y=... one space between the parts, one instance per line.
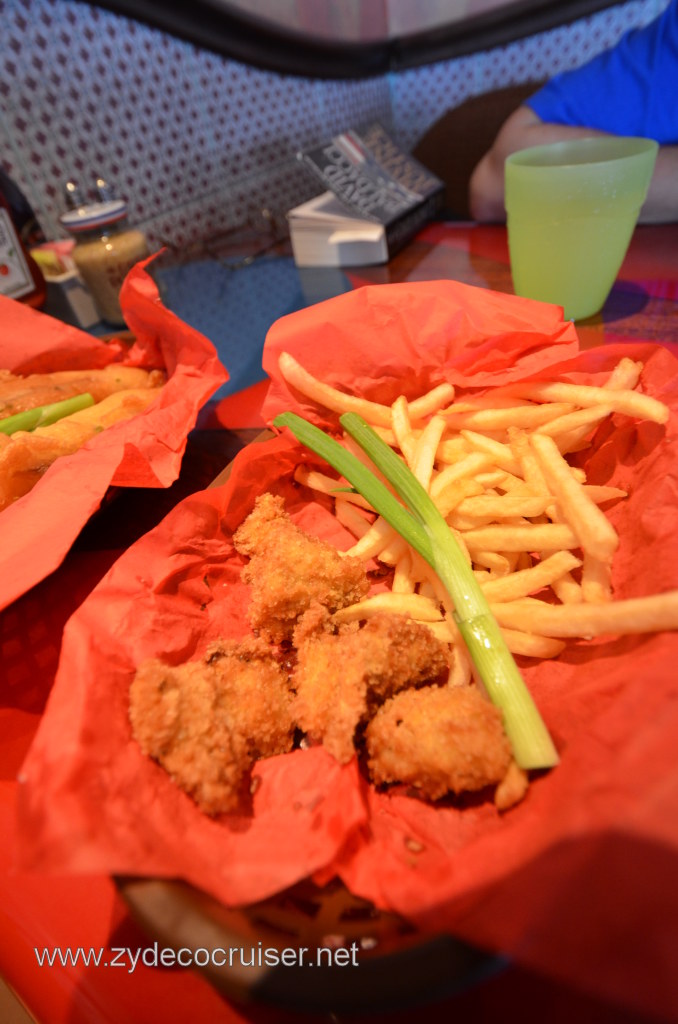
x=419 y=96
x=197 y=141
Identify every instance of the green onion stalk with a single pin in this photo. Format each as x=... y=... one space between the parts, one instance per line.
x=44 y=415
x=416 y=518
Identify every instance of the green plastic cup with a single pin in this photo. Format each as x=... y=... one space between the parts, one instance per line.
x=571 y=209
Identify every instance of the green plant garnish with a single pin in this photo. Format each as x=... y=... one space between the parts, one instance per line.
x=43 y=415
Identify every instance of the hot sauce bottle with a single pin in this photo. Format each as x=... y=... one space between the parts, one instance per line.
x=20 y=276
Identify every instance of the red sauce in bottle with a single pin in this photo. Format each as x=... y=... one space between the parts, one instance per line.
x=20 y=276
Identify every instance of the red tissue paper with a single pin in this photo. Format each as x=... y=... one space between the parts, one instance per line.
x=578 y=880
x=37 y=530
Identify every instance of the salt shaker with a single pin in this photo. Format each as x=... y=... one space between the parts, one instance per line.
x=106 y=247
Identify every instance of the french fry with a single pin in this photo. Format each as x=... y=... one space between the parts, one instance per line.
x=456 y=492
x=119 y=405
x=374 y=540
x=348 y=515
x=581 y=421
x=633 y=615
x=417 y=607
x=494 y=479
x=632 y=403
x=442 y=629
x=425 y=450
x=460 y=667
x=625 y=375
x=427 y=590
x=468 y=466
x=540 y=537
x=386 y=434
x=504 y=506
x=526 y=416
x=402 y=429
x=337 y=401
x=433 y=401
x=594 y=531
x=500 y=452
x=465 y=523
x=453 y=448
x=531 y=645
x=601 y=493
x=596 y=580
x=528 y=581
x=497 y=563
x=489 y=400
x=403 y=578
x=518 y=560
x=566 y=589
x=393 y=552
x=508 y=483
x=328 y=485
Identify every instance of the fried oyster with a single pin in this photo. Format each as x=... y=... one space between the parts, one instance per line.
x=290 y=570
x=206 y=722
x=341 y=677
x=443 y=739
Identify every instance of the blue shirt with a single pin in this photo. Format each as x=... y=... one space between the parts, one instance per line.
x=630 y=89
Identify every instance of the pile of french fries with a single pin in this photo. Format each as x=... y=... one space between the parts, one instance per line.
x=532 y=528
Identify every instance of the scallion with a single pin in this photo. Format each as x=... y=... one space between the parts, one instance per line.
x=44 y=415
x=361 y=479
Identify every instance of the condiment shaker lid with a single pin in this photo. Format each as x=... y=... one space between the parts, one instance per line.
x=94 y=215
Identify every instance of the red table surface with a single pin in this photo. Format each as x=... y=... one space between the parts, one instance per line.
x=38 y=911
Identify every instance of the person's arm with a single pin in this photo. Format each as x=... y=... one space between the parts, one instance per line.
x=661 y=205
x=523 y=129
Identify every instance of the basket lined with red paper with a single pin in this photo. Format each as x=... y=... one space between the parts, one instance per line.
x=91 y=801
x=144 y=450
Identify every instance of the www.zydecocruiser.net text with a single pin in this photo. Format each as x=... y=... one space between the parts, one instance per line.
x=155 y=955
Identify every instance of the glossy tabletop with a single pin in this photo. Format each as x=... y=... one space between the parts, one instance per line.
x=642 y=303
x=41 y=912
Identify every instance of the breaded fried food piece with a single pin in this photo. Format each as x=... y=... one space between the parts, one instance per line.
x=29 y=454
x=340 y=677
x=17 y=393
x=255 y=688
x=289 y=570
x=442 y=739
x=176 y=720
x=206 y=721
